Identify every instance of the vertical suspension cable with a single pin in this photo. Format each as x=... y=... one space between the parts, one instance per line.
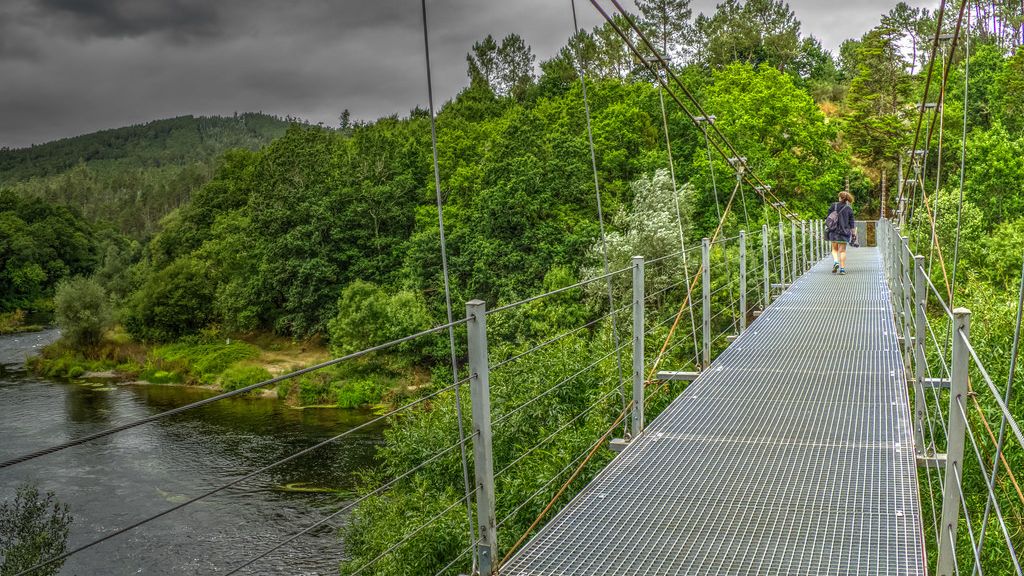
x=447 y=293
x=679 y=221
x=600 y=220
x=939 y=109
x=963 y=156
x=718 y=211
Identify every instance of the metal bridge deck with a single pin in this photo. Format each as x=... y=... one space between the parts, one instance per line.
x=792 y=454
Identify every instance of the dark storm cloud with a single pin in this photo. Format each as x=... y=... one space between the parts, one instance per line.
x=74 y=66
x=177 y=18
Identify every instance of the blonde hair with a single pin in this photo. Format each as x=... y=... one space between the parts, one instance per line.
x=846 y=197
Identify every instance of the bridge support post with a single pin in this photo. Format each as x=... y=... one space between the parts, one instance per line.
x=803 y=244
x=822 y=241
x=782 y=256
x=743 y=281
x=920 y=402
x=793 y=252
x=638 y=345
x=906 y=274
x=705 y=252
x=483 y=460
x=883 y=245
x=819 y=240
x=954 y=443
x=767 y=294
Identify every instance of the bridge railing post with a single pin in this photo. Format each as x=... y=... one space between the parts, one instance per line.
x=706 y=294
x=743 y=280
x=920 y=402
x=782 y=257
x=906 y=276
x=767 y=294
x=483 y=459
x=803 y=245
x=793 y=252
x=954 y=443
x=638 y=345
x=819 y=242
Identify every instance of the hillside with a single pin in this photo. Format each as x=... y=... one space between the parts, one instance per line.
x=173 y=141
x=132 y=177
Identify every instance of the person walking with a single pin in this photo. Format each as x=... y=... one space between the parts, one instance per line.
x=840 y=225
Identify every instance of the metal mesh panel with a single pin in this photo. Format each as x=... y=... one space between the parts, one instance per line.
x=791 y=454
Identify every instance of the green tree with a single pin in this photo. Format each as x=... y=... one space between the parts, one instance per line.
x=33 y=528
x=668 y=26
x=174 y=302
x=994 y=168
x=368 y=316
x=877 y=130
x=505 y=68
x=756 y=32
x=1009 y=90
x=907 y=21
x=82 y=311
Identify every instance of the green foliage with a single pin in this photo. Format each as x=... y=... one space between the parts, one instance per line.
x=1003 y=254
x=756 y=32
x=40 y=245
x=877 y=94
x=82 y=311
x=206 y=361
x=994 y=171
x=784 y=136
x=241 y=375
x=357 y=393
x=174 y=302
x=33 y=528
x=15 y=321
x=177 y=141
x=506 y=68
x=1009 y=90
x=368 y=316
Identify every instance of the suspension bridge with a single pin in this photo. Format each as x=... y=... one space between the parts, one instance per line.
x=824 y=426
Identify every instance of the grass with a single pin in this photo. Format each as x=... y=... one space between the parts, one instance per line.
x=14 y=322
x=232 y=364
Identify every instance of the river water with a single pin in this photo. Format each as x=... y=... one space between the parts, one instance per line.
x=120 y=479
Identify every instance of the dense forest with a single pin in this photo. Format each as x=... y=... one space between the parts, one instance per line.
x=192 y=230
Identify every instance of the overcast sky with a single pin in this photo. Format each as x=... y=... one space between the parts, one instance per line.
x=70 y=67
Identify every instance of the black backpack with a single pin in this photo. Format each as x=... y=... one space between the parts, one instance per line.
x=832 y=225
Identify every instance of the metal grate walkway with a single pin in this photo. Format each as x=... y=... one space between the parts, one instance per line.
x=791 y=455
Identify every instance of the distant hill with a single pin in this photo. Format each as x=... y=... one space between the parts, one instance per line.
x=133 y=176
x=174 y=141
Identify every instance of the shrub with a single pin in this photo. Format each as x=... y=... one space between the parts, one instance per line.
x=205 y=361
x=356 y=393
x=82 y=311
x=368 y=316
x=32 y=528
x=12 y=321
x=240 y=376
x=175 y=302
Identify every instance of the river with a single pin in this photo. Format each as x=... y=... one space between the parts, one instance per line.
x=120 y=479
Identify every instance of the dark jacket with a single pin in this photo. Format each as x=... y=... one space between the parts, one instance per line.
x=846 y=222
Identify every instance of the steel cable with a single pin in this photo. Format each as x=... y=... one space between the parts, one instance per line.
x=447 y=284
x=223 y=487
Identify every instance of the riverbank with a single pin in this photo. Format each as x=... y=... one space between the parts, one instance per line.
x=17 y=322
x=113 y=482
x=232 y=363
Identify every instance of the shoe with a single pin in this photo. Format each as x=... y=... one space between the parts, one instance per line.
x=835 y=267
x=842 y=271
